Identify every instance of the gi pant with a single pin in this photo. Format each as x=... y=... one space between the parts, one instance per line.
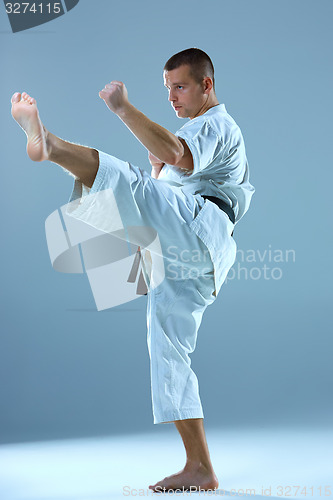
x=195 y=261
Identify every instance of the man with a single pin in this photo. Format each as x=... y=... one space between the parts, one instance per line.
x=198 y=190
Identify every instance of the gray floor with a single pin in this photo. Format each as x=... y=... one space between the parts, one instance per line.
x=249 y=464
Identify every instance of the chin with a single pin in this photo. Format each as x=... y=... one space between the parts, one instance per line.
x=182 y=114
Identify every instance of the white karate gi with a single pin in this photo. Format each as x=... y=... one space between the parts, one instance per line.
x=195 y=238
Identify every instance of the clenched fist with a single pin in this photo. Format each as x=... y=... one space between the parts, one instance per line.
x=115 y=96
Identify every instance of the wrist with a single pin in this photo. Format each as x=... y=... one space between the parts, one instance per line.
x=125 y=111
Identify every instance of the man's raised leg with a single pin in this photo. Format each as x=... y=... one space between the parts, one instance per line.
x=198 y=470
x=81 y=161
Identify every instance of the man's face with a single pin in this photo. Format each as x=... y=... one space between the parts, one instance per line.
x=186 y=95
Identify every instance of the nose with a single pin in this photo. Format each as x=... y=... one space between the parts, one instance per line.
x=172 y=97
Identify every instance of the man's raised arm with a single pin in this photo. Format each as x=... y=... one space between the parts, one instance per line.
x=159 y=141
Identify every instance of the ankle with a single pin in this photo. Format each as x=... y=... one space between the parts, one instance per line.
x=51 y=148
x=197 y=464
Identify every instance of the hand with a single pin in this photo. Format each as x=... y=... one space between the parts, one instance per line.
x=155 y=162
x=115 y=96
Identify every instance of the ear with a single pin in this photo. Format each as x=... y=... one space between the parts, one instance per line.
x=207 y=85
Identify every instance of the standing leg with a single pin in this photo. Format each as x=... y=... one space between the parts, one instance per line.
x=198 y=470
x=81 y=161
x=175 y=312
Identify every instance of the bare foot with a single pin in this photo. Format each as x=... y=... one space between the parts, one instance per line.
x=190 y=478
x=25 y=112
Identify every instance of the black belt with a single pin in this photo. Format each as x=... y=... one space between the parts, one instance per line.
x=223 y=206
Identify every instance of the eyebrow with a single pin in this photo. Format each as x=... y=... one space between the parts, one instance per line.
x=175 y=84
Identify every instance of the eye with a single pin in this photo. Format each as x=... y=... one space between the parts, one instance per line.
x=179 y=86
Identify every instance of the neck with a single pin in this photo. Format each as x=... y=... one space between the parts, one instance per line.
x=210 y=103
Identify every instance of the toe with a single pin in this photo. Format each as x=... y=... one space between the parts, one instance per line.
x=157 y=486
x=16 y=97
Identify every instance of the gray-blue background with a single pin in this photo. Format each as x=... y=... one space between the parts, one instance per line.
x=264 y=353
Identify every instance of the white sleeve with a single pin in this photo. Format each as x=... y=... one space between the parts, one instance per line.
x=204 y=145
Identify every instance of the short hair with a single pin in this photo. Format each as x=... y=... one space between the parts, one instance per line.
x=200 y=63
